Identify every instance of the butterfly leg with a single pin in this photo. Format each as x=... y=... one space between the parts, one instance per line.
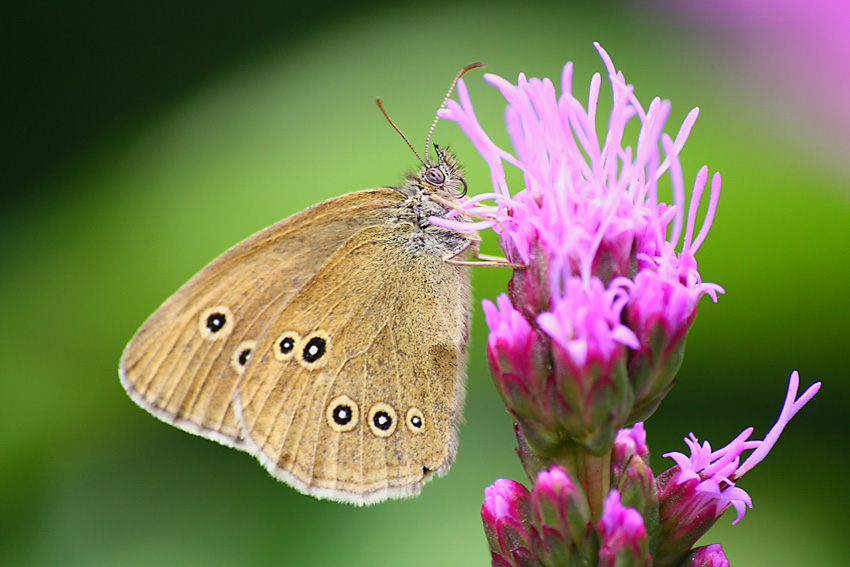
x=480 y=259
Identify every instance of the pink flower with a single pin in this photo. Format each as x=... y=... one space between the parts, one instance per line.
x=693 y=494
x=715 y=472
x=591 y=334
x=710 y=474
x=590 y=202
x=606 y=264
x=586 y=322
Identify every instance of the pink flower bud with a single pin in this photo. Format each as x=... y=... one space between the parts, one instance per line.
x=507 y=523
x=561 y=514
x=706 y=556
x=624 y=541
x=629 y=444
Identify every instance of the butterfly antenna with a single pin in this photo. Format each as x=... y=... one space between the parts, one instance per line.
x=448 y=94
x=400 y=133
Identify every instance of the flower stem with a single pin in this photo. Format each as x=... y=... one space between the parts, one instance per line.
x=594 y=475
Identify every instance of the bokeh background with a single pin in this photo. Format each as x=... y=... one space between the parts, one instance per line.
x=142 y=139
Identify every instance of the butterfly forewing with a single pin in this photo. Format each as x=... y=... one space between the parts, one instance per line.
x=186 y=374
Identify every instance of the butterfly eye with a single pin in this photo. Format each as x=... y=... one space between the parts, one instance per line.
x=415 y=420
x=342 y=414
x=434 y=176
x=382 y=420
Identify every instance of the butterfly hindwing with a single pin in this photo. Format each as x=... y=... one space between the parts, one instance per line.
x=375 y=414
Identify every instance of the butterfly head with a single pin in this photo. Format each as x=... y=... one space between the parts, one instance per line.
x=445 y=176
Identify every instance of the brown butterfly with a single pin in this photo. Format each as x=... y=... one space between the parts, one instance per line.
x=331 y=345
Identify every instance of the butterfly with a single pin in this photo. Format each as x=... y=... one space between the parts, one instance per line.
x=331 y=345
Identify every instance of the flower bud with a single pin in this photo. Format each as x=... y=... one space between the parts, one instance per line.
x=630 y=443
x=660 y=312
x=706 y=556
x=589 y=358
x=562 y=515
x=632 y=476
x=623 y=538
x=517 y=356
x=507 y=524
x=529 y=287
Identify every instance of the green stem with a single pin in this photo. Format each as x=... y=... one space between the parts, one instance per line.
x=594 y=474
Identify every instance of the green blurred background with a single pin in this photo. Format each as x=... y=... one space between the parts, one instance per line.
x=142 y=139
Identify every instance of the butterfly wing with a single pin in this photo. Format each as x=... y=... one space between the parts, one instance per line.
x=183 y=364
x=356 y=392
